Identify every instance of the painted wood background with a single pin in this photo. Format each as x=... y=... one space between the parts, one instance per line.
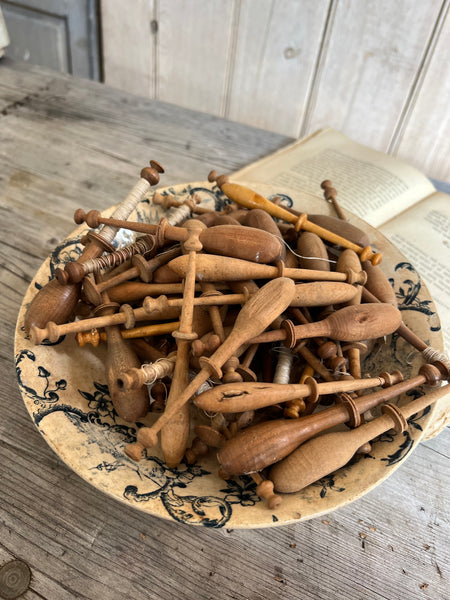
x=375 y=69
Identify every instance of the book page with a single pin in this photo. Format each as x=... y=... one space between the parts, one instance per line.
x=371 y=184
x=422 y=234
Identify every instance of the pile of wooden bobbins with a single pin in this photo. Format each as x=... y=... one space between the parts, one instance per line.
x=254 y=323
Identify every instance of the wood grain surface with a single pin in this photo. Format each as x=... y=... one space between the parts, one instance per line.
x=66 y=144
x=377 y=71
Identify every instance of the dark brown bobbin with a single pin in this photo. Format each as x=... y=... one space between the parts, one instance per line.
x=391 y=378
x=327 y=350
x=291 y=339
x=64 y=275
x=157 y=166
x=354 y=419
x=400 y=422
x=432 y=374
x=151 y=175
x=130 y=318
x=91 y=292
x=73 y=271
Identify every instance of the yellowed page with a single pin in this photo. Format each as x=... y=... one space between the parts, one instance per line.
x=371 y=184
x=422 y=234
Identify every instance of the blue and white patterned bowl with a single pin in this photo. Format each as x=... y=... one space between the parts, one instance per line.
x=64 y=389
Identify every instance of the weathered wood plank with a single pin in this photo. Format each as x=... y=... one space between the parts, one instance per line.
x=193 y=47
x=276 y=52
x=374 y=52
x=128 y=42
x=425 y=141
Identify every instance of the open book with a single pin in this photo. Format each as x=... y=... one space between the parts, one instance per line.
x=381 y=189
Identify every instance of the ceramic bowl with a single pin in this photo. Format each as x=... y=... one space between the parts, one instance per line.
x=64 y=389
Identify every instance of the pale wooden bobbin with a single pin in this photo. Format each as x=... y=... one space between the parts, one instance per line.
x=249 y=395
x=175 y=433
x=126 y=316
x=147 y=373
x=223 y=268
x=312 y=254
x=167 y=201
x=250 y=199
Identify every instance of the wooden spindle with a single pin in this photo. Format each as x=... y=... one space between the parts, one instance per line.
x=222 y=268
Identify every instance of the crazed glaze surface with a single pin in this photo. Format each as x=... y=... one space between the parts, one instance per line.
x=64 y=390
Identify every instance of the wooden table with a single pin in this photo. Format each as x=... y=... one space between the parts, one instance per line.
x=67 y=143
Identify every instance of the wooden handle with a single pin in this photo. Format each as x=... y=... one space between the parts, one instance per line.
x=257 y=314
x=349 y=324
x=239 y=397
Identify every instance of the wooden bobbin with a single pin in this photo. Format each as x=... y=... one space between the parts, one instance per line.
x=250 y=199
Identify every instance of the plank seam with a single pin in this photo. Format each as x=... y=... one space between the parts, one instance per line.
x=320 y=62
x=224 y=110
